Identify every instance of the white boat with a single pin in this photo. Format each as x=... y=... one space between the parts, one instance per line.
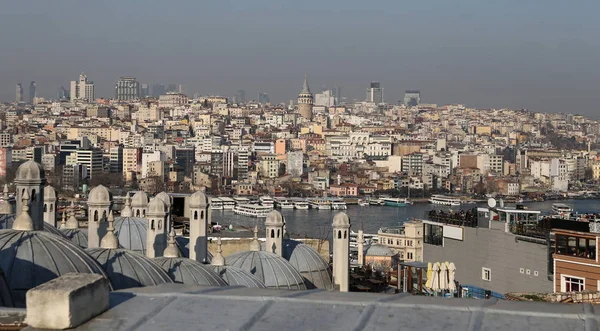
x=444 y=200
x=283 y=203
x=266 y=201
x=300 y=204
x=319 y=203
x=338 y=205
x=376 y=202
x=561 y=209
x=396 y=202
x=216 y=204
x=228 y=203
x=252 y=210
x=363 y=203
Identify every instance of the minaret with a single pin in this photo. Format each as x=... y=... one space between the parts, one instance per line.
x=361 y=252
x=5 y=207
x=23 y=222
x=156 y=235
x=126 y=211
x=164 y=196
x=255 y=244
x=99 y=202
x=218 y=259
x=50 y=200
x=274 y=232
x=341 y=248
x=30 y=177
x=110 y=240
x=63 y=222
x=171 y=250
x=305 y=101
x=199 y=207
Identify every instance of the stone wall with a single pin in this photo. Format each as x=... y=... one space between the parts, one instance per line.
x=562 y=297
x=234 y=245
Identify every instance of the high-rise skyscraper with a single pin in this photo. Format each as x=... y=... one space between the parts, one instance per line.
x=31 y=92
x=263 y=98
x=375 y=93
x=240 y=96
x=82 y=89
x=412 y=98
x=158 y=90
x=127 y=88
x=63 y=94
x=305 y=101
x=144 y=90
x=19 y=95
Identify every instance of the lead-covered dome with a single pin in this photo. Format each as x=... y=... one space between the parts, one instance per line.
x=157 y=206
x=237 y=276
x=99 y=195
x=132 y=233
x=31 y=258
x=379 y=250
x=191 y=272
x=183 y=244
x=165 y=198
x=273 y=270
x=6 y=223
x=127 y=269
x=309 y=263
x=49 y=193
x=139 y=200
x=198 y=199
x=30 y=171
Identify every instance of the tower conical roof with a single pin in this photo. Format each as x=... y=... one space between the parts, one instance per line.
x=305 y=88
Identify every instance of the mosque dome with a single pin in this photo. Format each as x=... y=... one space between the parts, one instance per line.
x=165 y=198
x=237 y=276
x=127 y=269
x=183 y=243
x=341 y=219
x=379 y=250
x=188 y=271
x=77 y=236
x=30 y=171
x=49 y=193
x=274 y=218
x=309 y=263
x=132 y=233
x=198 y=199
x=139 y=200
x=6 y=223
x=99 y=195
x=157 y=206
x=5 y=296
x=31 y=258
x=273 y=270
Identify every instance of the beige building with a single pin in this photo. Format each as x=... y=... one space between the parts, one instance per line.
x=131 y=158
x=406 y=241
x=269 y=166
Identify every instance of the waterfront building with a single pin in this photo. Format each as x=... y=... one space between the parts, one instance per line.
x=406 y=241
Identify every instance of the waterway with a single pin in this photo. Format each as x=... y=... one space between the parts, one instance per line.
x=317 y=223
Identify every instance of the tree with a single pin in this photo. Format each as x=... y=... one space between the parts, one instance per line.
x=107 y=179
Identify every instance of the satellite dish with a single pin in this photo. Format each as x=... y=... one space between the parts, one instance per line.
x=491 y=202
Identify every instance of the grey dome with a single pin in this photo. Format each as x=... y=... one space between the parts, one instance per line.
x=6 y=223
x=183 y=243
x=190 y=272
x=127 y=269
x=77 y=236
x=31 y=258
x=274 y=218
x=341 y=219
x=30 y=171
x=273 y=270
x=132 y=233
x=49 y=193
x=165 y=198
x=5 y=296
x=379 y=250
x=237 y=276
x=157 y=207
x=309 y=263
x=139 y=200
x=198 y=199
x=99 y=195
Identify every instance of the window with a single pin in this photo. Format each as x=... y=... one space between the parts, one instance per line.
x=409 y=255
x=486 y=274
x=572 y=284
x=576 y=246
x=433 y=234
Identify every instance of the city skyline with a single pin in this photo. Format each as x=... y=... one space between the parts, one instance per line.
x=472 y=55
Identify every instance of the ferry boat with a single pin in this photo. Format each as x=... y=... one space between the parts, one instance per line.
x=561 y=209
x=319 y=203
x=266 y=201
x=228 y=203
x=300 y=204
x=252 y=210
x=216 y=204
x=444 y=200
x=396 y=202
x=338 y=204
x=363 y=203
x=241 y=200
x=283 y=203
x=376 y=202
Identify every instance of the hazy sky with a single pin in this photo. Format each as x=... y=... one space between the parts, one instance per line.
x=541 y=55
